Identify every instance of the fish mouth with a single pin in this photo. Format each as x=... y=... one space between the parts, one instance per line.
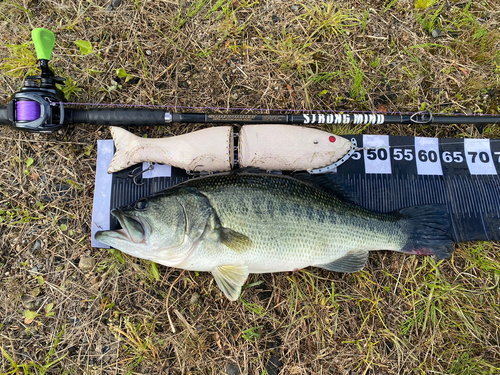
x=133 y=229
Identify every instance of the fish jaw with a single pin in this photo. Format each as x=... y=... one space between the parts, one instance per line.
x=134 y=227
x=131 y=239
x=119 y=239
x=138 y=237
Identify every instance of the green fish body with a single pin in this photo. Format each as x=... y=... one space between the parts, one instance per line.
x=240 y=223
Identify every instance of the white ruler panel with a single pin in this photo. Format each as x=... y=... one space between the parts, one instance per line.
x=478 y=156
x=427 y=156
x=102 y=192
x=159 y=170
x=377 y=154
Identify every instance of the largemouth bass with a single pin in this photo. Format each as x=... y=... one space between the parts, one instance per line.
x=240 y=223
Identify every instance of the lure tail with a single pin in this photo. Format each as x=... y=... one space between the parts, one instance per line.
x=207 y=150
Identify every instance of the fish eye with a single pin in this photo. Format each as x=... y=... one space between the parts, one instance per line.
x=141 y=204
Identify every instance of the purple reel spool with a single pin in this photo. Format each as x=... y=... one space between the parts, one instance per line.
x=27 y=110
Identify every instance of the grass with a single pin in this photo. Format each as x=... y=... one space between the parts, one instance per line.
x=20 y=61
x=400 y=315
x=328 y=20
x=31 y=368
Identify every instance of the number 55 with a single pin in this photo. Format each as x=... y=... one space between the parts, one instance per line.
x=398 y=154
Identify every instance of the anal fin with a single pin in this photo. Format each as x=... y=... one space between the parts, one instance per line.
x=230 y=278
x=353 y=261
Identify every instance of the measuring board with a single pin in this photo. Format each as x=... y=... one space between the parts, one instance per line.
x=387 y=173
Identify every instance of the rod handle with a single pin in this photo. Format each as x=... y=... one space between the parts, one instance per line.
x=117 y=116
x=4 y=118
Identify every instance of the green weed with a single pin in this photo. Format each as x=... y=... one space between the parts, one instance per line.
x=121 y=73
x=251 y=334
x=291 y=53
x=328 y=20
x=154 y=274
x=428 y=19
x=358 y=91
x=34 y=368
x=140 y=341
x=69 y=89
x=229 y=27
x=369 y=307
x=228 y=7
x=30 y=316
x=20 y=62
x=14 y=8
x=325 y=77
x=424 y=4
x=253 y=307
x=184 y=15
x=117 y=254
x=219 y=5
x=13 y=215
x=84 y=46
x=142 y=60
x=389 y=4
x=482 y=256
x=29 y=162
x=469 y=364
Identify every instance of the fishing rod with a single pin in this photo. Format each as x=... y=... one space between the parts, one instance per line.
x=39 y=107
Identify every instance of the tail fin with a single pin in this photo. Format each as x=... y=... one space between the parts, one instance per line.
x=429 y=230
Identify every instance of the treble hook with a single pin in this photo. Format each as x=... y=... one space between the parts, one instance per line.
x=133 y=175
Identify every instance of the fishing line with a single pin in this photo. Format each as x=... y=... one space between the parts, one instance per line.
x=27 y=110
x=413 y=145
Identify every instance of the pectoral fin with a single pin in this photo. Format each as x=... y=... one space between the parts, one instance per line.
x=234 y=240
x=230 y=278
x=353 y=261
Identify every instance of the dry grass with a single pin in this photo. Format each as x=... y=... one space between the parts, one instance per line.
x=400 y=315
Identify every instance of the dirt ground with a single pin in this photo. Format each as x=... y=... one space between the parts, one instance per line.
x=69 y=308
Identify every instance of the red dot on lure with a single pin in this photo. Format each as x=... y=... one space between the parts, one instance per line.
x=332 y=139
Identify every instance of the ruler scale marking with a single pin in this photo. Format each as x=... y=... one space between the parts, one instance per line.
x=484 y=228
x=496 y=200
x=458 y=189
x=458 y=198
x=480 y=185
x=470 y=203
x=493 y=198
